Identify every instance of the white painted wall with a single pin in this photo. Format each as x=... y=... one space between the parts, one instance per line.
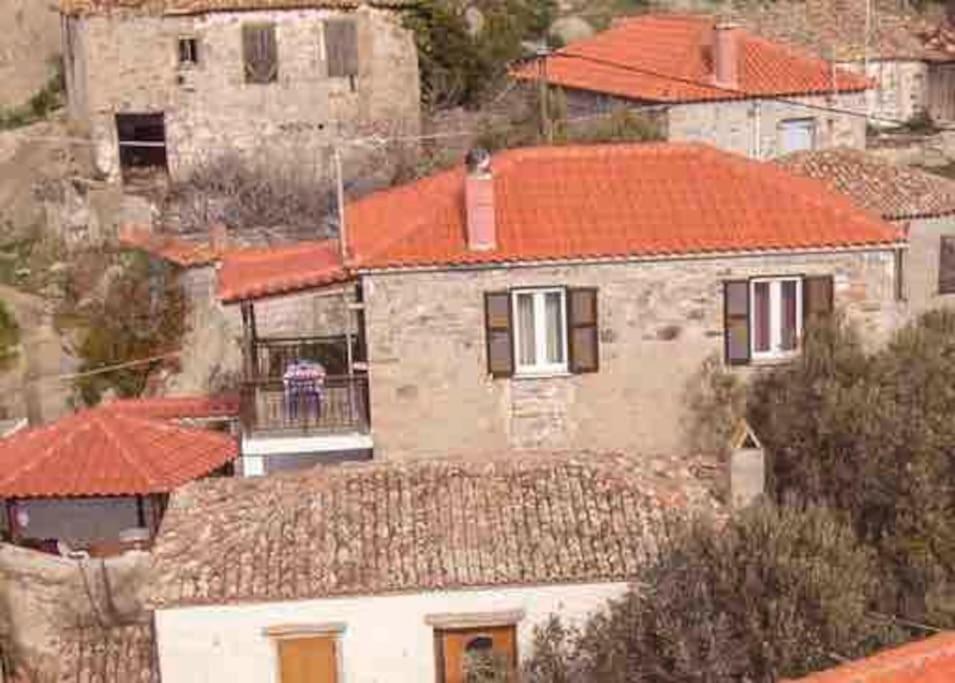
x=386 y=639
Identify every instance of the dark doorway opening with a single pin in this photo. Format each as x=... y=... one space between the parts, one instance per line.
x=142 y=142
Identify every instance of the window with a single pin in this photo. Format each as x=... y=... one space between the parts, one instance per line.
x=476 y=655
x=341 y=48
x=260 y=53
x=540 y=330
x=188 y=52
x=308 y=659
x=764 y=317
x=142 y=141
x=796 y=135
x=946 y=265
x=775 y=317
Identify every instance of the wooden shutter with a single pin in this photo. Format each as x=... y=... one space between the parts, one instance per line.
x=341 y=48
x=500 y=339
x=736 y=321
x=816 y=298
x=260 y=53
x=308 y=660
x=582 y=333
x=946 y=265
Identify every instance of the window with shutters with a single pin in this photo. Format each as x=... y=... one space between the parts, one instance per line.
x=341 y=48
x=476 y=655
x=946 y=266
x=308 y=659
x=775 y=317
x=260 y=53
x=540 y=331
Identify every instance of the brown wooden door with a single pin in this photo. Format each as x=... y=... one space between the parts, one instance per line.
x=308 y=660
x=478 y=655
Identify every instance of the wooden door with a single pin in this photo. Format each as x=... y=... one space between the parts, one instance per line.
x=308 y=660
x=478 y=655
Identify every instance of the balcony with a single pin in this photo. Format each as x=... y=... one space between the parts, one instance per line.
x=337 y=405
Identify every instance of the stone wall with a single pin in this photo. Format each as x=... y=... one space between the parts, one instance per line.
x=128 y=62
x=752 y=127
x=31 y=40
x=920 y=265
x=431 y=394
x=901 y=92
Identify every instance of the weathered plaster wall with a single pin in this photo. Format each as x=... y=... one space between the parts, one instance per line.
x=431 y=394
x=752 y=127
x=920 y=265
x=902 y=88
x=385 y=639
x=128 y=62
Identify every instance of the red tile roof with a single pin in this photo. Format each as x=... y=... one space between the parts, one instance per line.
x=176 y=250
x=667 y=58
x=577 y=202
x=179 y=407
x=927 y=661
x=105 y=452
x=267 y=271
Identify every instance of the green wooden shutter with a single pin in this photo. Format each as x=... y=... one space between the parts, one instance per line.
x=341 y=48
x=582 y=332
x=736 y=321
x=499 y=335
x=816 y=298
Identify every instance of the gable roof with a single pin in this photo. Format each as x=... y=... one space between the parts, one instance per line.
x=668 y=58
x=925 y=661
x=383 y=527
x=576 y=203
x=836 y=29
x=891 y=191
x=86 y=7
x=103 y=452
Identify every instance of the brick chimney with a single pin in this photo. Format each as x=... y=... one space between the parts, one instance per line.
x=726 y=54
x=479 y=201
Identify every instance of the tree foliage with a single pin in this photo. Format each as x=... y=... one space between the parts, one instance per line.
x=141 y=315
x=872 y=434
x=775 y=592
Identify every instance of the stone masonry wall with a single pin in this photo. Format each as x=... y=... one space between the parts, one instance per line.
x=737 y=126
x=920 y=266
x=128 y=62
x=431 y=394
x=901 y=92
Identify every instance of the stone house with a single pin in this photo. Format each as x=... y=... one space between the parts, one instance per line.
x=173 y=83
x=553 y=297
x=711 y=82
x=921 y=204
x=399 y=572
x=908 y=54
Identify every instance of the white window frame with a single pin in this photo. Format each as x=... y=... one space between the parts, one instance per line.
x=807 y=121
x=775 y=318
x=540 y=332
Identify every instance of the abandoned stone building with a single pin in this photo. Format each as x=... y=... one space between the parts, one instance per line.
x=174 y=83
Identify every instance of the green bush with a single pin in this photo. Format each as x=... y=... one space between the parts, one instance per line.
x=9 y=336
x=773 y=592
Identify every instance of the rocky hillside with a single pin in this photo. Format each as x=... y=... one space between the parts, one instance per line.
x=31 y=40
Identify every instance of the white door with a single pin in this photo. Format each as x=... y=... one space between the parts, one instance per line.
x=796 y=135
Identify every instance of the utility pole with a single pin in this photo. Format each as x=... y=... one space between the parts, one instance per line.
x=547 y=131
x=340 y=195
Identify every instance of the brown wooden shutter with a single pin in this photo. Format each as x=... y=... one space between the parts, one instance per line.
x=736 y=321
x=341 y=47
x=582 y=333
x=260 y=53
x=308 y=660
x=500 y=344
x=816 y=298
x=946 y=265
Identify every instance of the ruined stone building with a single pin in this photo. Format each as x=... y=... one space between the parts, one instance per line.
x=170 y=83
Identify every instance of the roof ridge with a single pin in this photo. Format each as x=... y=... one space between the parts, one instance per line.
x=121 y=446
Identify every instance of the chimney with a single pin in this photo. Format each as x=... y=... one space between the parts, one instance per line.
x=479 y=201
x=726 y=54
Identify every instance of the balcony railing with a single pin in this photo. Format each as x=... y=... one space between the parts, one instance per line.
x=339 y=404
x=274 y=354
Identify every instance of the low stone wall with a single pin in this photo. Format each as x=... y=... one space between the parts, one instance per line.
x=44 y=597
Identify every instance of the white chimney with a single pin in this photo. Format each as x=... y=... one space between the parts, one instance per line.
x=726 y=39
x=479 y=201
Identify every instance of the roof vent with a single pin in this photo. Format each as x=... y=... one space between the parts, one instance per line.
x=479 y=201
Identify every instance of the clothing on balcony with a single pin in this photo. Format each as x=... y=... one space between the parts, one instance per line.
x=304 y=384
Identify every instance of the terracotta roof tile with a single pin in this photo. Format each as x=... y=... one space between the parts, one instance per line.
x=267 y=271
x=667 y=58
x=117 y=654
x=416 y=525
x=836 y=29
x=74 y=7
x=185 y=253
x=891 y=191
x=179 y=407
x=104 y=452
x=927 y=661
